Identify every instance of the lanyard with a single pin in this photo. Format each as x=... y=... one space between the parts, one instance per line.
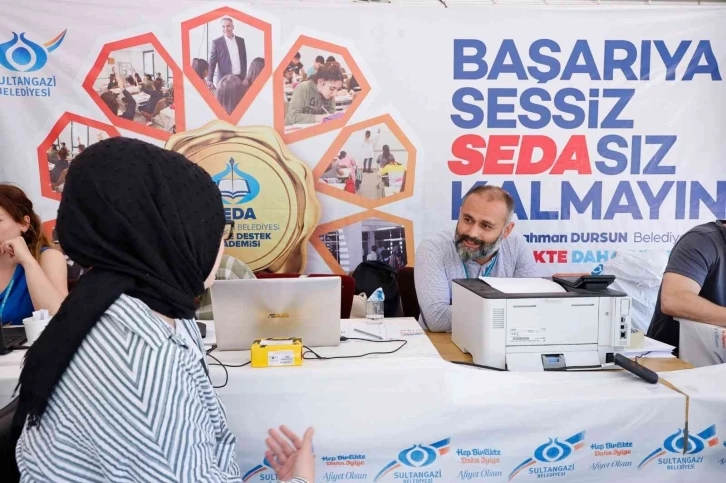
x=5 y=298
x=487 y=271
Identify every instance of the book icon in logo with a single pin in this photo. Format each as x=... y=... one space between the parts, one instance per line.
x=236 y=186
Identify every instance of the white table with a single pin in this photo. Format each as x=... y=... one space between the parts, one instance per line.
x=371 y=415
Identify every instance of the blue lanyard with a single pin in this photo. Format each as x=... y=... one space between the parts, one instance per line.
x=487 y=271
x=5 y=298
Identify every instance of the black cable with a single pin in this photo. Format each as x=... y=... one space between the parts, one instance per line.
x=641 y=355
x=224 y=366
x=478 y=365
x=319 y=357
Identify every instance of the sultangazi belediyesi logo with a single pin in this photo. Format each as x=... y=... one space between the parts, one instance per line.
x=548 y=459
x=681 y=451
x=415 y=462
x=21 y=55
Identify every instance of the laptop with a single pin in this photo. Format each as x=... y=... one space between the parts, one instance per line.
x=13 y=337
x=251 y=309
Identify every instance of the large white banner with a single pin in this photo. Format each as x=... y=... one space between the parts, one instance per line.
x=605 y=124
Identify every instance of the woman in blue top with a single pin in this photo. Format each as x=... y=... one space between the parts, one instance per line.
x=32 y=274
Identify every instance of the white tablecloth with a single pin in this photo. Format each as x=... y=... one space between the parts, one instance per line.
x=702 y=344
x=706 y=391
x=410 y=416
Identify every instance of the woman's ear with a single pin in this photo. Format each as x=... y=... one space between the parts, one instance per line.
x=25 y=224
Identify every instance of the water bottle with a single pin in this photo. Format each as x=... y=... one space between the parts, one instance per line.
x=374 y=307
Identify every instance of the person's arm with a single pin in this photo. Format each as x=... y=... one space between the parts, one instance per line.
x=213 y=59
x=433 y=287
x=242 y=57
x=679 y=298
x=525 y=266
x=296 y=109
x=687 y=269
x=47 y=280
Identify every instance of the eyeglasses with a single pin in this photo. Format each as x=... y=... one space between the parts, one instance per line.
x=228 y=230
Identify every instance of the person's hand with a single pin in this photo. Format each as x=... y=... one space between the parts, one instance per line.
x=288 y=460
x=17 y=249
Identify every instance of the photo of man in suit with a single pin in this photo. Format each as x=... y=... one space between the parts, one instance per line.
x=228 y=54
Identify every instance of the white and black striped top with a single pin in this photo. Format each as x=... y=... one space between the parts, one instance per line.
x=135 y=404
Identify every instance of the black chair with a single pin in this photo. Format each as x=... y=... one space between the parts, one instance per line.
x=9 y=467
x=407 y=286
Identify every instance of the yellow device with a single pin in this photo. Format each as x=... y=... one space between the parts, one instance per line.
x=277 y=352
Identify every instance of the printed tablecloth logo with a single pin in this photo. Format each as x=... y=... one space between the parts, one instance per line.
x=260 y=470
x=685 y=446
x=554 y=451
x=343 y=467
x=417 y=456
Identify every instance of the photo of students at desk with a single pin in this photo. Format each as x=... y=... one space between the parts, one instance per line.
x=317 y=94
x=148 y=100
x=379 y=167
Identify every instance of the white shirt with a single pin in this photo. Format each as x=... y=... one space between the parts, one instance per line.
x=372 y=257
x=233 y=54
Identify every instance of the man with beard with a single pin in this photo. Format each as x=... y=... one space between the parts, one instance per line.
x=482 y=244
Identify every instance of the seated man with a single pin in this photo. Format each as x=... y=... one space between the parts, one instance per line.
x=481 y=245
x=229 y=269
x=694 y=283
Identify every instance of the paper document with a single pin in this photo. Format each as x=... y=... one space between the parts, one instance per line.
x=650 y=348
x=523 y=285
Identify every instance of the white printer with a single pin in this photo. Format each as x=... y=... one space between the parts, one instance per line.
x=538 y=325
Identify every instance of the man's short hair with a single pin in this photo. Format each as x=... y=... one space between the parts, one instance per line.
x=493 y=193
x=227 y=18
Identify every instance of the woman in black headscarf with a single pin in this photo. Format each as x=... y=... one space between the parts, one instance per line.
x=116 y=388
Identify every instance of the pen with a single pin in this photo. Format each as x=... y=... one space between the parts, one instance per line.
x=326 y=111
x=368 y=334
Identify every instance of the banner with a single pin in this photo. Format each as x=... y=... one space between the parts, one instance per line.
x=333 y=129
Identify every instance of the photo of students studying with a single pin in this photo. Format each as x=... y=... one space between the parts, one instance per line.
x=372 y=239
x=136 y=84
x=228 y=57
x=72 y=141
x=318 y=87
x=372 y=164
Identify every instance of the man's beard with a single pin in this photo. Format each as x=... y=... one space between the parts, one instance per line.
x=483 y=250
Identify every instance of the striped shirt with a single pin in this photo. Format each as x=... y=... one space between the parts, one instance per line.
x=135 y=404
x=438 y=263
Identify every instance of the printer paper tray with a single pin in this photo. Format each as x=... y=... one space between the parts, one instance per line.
x=532 y=361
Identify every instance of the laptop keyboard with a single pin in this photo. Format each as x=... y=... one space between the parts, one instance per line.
x=13 y=336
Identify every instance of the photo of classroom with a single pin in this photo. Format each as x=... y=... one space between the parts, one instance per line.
x=370 y=239
x=318 y=87
x=137 y=84
x=372 y=164
x=70 y=142
x=228 y=56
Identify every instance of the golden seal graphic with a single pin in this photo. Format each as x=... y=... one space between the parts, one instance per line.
x=266 y=191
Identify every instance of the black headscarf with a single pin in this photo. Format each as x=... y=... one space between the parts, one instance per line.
x=149 y=222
